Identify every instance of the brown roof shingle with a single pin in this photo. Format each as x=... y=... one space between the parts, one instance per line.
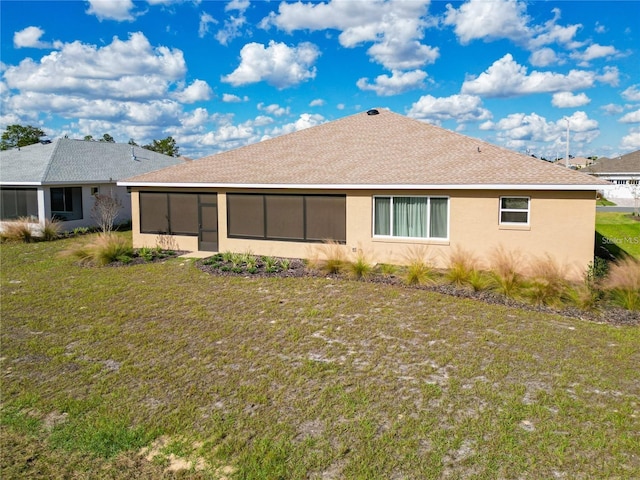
x=361 y=150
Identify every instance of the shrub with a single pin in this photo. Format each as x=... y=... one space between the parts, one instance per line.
x=19 y=230
x=597 y=270
x=478 y=281
x=419 y=269
x=462 y=264
x=285 y=263
x=623 y=283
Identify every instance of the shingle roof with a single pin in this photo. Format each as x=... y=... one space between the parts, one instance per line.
x=629 y=163
x=77 y=161
x=368 y=150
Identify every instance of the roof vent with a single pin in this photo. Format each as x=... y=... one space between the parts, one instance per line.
x=373 y=111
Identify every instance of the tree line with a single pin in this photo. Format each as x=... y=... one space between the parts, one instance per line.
x=16 y=136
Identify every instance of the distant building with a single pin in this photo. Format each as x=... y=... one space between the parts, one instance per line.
x=60 y=179
x=623 y=173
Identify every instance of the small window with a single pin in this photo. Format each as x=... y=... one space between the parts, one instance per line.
x=95 y=191
x=514 y=210
x=66 y=203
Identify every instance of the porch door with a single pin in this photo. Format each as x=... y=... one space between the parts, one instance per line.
x=208 y=215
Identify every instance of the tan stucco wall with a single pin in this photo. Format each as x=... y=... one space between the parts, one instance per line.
x=562 y=225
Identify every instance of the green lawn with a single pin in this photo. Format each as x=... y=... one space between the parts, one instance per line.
x=618 y=233
x=123 y=372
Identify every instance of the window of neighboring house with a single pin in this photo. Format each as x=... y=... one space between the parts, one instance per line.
x=621 y=182
x=302 y=218
x=66 y=203
x=169 y=213
x=514 y=210
x=411 y=217
x=18 y=202
x=634 y=182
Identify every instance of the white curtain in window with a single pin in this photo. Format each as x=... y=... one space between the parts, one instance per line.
x=410 y=216
x=438 y=227
x=382 y=221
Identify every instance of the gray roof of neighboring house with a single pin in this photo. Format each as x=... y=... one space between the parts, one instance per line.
x=625 y=164
x=370 y=151
x=78 y=161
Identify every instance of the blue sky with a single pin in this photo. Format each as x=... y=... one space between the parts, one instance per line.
x=218 y=75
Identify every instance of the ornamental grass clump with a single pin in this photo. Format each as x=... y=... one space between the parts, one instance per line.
x=330 y=258
x=623 y=283
x=546 y=283
x=419 y=267
x=505 y=272
x=360 y=268
x=19 y=230
x=105 y=248
x=463 y=265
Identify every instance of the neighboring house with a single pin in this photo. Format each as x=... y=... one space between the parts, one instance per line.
x=377 y=182
x=59 y=179
x=622 y=173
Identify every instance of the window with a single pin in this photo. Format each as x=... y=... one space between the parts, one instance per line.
x=302 y=218
x=169 y=213
x=411 y=217
x=621 y=182
x=66 y=203
x=95 y=191
x=18 y=202
x=514 y=210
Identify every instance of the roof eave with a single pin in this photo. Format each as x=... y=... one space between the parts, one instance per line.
x=272 y=186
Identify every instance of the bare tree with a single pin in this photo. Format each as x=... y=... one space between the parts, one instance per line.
x=105 y=210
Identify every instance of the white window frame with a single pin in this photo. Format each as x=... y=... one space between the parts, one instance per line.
x=520 y=210
x=392 y=236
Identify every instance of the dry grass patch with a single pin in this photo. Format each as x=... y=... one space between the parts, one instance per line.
x=623 y=283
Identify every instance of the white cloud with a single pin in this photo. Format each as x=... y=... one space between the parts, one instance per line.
x=318 y=102
x=395 y=27
x=543 y=57
x=506 y=78
x=611 y=76
x=233 y=25
x=305 y=120
x=278 y=64
x=273 y=109
x=632 y=93
x=398 y=82
x=593 y=52
x=462 y=108
x=612 y=109
x=569 y=100
x=545 y=138
x=205 y=21
x=130 y=69
x=30 y=37
x=119 y=10
x=631 y=117
x=196 y=118
x=489 y=20
x=197 y=91
x=631 y=142
x=230 y=98
x=508 y=19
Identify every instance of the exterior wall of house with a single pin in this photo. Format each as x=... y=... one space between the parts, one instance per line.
x=561 y=225
x=88 y=201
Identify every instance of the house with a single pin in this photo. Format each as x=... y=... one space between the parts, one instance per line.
x=377 y=182
x=60 y=179
x=623 y=175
